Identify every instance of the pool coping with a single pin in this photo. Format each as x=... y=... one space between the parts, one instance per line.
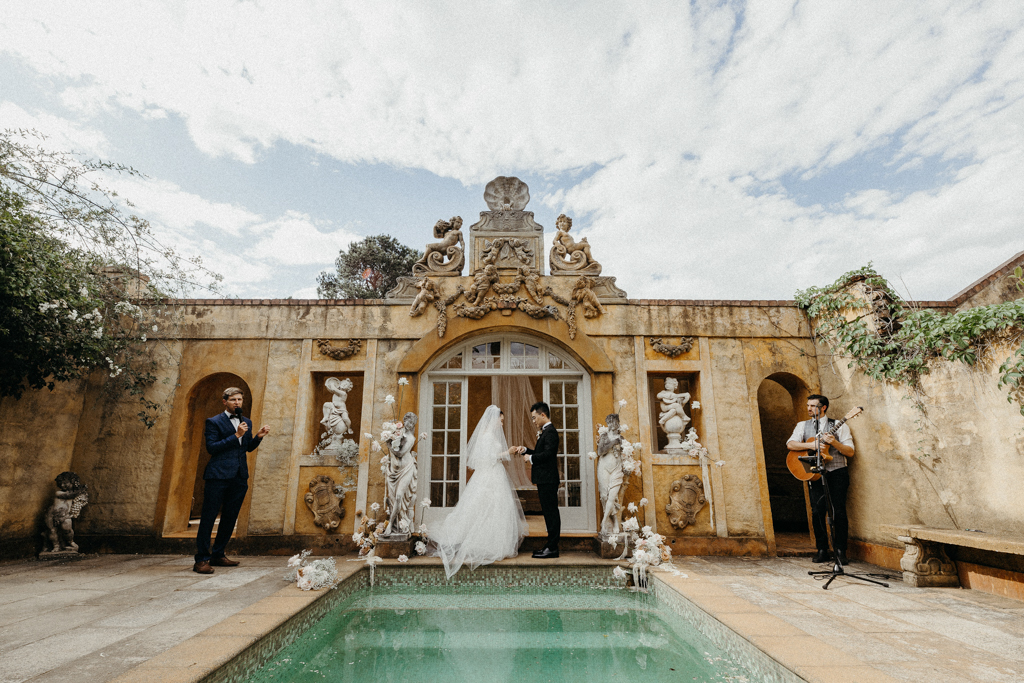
x=763 y=643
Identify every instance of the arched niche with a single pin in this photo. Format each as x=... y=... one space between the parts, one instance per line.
x=185 y=499
x=781 y=401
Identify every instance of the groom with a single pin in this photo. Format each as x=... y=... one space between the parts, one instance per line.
x=544 y=458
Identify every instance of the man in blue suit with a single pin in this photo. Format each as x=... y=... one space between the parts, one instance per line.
x=228 y=439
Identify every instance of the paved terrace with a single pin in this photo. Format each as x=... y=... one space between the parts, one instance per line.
x=150 y=618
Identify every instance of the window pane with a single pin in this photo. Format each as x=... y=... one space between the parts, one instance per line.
x=452 y=498
x=557 y=418
x=532 y=351
x=518 y=349
x=573 y=491
x=454 y=443
x=561 y=469
x=455 y=362
x=572 y=442
x=554 y=362
x=439 y=393
x=437 y=443
x=454 y=393
x=572 y=469
x=531 y=363
x=438 y=418
x=436 y=469
x=572 y=418
x=437 y=493
x=455 y=418
x=570 y=393
x=453 y=469
x=556 y=392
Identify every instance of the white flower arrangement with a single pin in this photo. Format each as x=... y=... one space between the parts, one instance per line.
x=421 y=548
x=368 y=435
x=403 y=558
x=649 y=550
x=312 y=576
x=602 y=430
x=632 y=508
x=623 y=428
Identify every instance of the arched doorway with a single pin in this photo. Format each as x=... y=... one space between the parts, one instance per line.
x=781 y=398
x=471 y=375
x=204 y=400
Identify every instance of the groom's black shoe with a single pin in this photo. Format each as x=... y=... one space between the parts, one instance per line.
x=545 y=554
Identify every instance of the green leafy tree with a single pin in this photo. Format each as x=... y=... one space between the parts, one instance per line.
x=83 y=281
x=368 y=269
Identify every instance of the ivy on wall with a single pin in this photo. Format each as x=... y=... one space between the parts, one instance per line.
x=890 y=340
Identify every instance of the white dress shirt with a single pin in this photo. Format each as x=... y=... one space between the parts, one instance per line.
x=235 y=421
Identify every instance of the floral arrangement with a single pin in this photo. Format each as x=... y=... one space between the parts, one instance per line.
x=649 y=549
x=314 y=575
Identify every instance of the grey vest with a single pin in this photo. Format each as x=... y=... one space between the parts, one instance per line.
x=838 y=459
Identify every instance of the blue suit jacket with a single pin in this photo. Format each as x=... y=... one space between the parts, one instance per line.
x=227 y=456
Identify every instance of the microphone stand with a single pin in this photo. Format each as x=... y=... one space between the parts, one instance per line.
x=837 y=567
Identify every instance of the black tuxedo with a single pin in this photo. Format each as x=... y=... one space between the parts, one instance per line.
x=544 y=458
x=227 y=481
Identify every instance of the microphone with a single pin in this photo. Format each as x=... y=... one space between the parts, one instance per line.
x=238 y=414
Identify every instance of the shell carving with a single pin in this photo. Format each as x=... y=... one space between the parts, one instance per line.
x=506 y=193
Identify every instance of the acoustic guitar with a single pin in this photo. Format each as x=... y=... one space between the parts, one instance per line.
x=801 y=463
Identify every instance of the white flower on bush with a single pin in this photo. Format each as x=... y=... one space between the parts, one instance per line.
x=83 y=291
x=403 y=558
x=389 y=399
x=421 y=548
x=98 y=334
x=619 y=573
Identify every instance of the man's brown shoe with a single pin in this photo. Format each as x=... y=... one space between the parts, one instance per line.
x=223 y=562
x=202 y=568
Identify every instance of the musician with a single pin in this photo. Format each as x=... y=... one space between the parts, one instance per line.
x=836 y=475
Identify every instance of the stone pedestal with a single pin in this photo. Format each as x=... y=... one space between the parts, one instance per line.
x=674 y=428
x=393 y=546
x=926 y=565
x=60 y=555
x=603 y=545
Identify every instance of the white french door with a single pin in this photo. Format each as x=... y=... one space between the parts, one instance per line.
x=443 y=398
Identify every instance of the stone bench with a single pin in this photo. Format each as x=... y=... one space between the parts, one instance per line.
x=925 y=562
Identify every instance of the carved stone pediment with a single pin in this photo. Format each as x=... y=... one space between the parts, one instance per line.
x=507 y=236
x=686 y=499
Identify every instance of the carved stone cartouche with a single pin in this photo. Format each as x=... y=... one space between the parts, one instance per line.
x=685 y=500
x=569 y=257
x=324 y=503
x=451 y=246
x=71 y=496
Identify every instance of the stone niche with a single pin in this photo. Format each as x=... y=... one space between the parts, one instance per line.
x=689 y=382
x=506 y=236
x=322 y=395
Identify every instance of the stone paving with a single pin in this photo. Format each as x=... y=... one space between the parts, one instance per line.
x=97 y=618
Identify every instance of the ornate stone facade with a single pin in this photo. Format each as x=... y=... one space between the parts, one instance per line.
x=506 y=237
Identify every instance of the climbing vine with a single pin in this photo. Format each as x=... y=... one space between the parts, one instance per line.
x=890 y=340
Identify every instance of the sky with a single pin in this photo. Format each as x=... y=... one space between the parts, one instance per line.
x=706 y=150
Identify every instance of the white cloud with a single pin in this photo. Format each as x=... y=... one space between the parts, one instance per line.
x=697 y=118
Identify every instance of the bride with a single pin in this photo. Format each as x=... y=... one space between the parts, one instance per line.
x=487 y=524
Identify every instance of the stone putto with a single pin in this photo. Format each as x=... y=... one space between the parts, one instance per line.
x=337 y=424
x=451 y=246
x=72 y=495
x=673 y=419
x=569 y=257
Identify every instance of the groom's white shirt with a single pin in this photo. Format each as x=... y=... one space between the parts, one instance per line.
x=529 y=458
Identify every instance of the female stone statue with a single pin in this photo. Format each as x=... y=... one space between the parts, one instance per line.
x=401 y=478
x=609 y=475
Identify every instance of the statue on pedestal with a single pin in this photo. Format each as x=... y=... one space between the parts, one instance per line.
x=673 y=419
x=610 y=477
x=400 y=480
x=337 y=423
x=72 y=495
x=451 y=246
x=569 y=257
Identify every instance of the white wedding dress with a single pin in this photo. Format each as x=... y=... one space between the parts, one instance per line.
x=487 y=524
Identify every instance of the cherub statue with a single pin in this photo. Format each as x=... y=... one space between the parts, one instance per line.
x=583 y=295
x=336 y=420
x=451 y=245
x=427 y=295
x=609 y=475
x=400 y=478
x=482 y=284
x=568 y=255
x=530 y=277
x=72 y=495
x=672 y=403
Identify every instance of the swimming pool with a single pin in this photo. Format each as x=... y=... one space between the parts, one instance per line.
x=522 y=624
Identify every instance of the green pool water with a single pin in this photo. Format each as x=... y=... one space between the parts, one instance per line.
x=485 y=634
